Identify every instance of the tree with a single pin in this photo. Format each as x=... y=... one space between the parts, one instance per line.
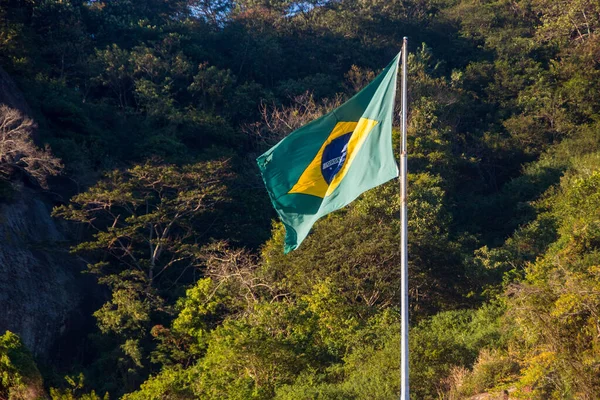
x=555 y=309
x=574 y=21
x=214 y=11
x=19 y=375
x=148 y=223
x=17 y=149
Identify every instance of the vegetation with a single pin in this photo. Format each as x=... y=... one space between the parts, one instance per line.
x=17 y=150
x=19 y=376
x=157 y=110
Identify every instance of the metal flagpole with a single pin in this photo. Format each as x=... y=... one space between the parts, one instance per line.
x=404 y=236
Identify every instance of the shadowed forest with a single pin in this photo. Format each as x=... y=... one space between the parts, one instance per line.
x=143 y=122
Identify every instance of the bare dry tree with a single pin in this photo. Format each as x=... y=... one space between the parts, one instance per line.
x=17 y=149
x=278 y=122
x=240 y=269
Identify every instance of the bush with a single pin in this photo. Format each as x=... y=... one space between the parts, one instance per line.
x=19 y=376
x=491 y=370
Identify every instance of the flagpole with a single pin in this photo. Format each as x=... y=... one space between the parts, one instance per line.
x=404 y=235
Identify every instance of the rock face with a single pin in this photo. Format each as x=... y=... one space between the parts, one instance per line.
x=38 y=277
x=11 y=95
x=39 y=280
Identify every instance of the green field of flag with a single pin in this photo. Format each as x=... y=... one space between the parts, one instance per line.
x=329 y=162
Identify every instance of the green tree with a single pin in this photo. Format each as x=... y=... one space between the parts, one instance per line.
x=19 y=375
x=555 y=308
x=145 y=222
x=74 y=392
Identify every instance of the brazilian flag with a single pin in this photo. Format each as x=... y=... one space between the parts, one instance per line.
x=329 y=162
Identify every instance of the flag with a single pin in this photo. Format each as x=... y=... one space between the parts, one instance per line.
x=326 y=164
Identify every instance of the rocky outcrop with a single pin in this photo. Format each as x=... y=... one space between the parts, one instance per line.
x=39 y=280
x=38 y=277
x=11 y=95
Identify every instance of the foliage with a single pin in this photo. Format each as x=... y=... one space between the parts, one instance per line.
x=555 y=306
x=144 y=221
x=19 y=376
x=76 y=384
x=449 y=340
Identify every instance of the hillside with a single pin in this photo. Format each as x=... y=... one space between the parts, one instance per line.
x=161 y=270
